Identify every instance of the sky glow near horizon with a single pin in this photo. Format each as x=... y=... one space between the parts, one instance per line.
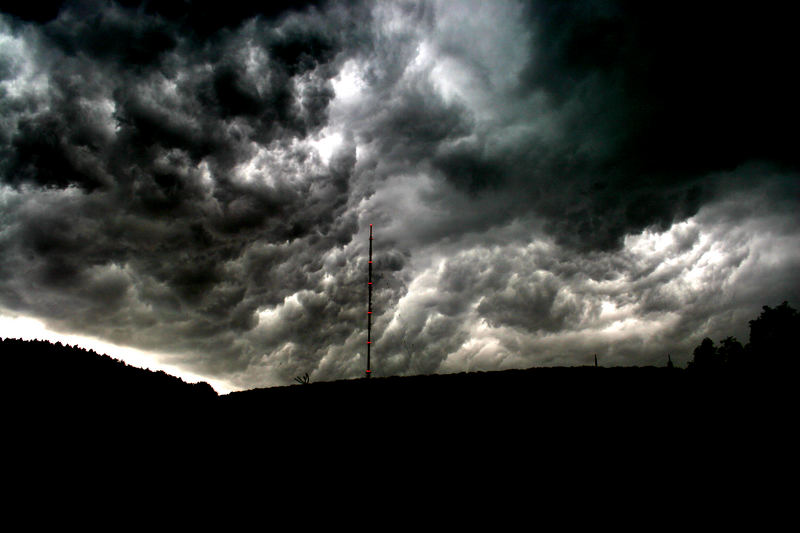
x=544 y=185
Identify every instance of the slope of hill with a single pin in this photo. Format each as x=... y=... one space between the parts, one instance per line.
x=69 y=381
x=39 y=371
x=64 y=403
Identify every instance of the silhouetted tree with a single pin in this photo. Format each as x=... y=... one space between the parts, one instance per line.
x=731 y=353
x=772 y=344
x=705 y=356
x=773 y=337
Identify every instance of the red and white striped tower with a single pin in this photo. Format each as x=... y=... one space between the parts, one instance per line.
x=369 y=304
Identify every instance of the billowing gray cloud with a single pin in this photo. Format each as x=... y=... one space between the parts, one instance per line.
x=547 y=180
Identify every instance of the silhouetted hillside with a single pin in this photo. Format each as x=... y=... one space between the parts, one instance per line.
x=53 y=373
x=54 y=383
x=536 y=392
x=67 y=406
x=39 y=371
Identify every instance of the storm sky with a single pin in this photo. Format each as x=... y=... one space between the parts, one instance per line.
x=547 y=180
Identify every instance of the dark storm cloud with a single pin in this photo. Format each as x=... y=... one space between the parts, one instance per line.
x=137 y=41
x=668 y=92
x=203 y=17
x=546 y=179
x=647 y=100
x=146 y=131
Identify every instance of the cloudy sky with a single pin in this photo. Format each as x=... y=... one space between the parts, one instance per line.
x=194 y=181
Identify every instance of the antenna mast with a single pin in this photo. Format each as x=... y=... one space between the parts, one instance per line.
x=369 y=304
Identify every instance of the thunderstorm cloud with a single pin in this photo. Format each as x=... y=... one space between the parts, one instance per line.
x=547 y=180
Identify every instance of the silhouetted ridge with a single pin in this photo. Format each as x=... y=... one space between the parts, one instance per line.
x=40 y=371
x=730 y=386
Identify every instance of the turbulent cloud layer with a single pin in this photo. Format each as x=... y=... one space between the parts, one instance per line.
x=547 y=180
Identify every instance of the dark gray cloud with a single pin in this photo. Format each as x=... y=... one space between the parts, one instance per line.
x=657 y=97
x=547 y=180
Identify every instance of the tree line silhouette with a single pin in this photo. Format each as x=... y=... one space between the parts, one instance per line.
x=42 y=371
x=772 y=346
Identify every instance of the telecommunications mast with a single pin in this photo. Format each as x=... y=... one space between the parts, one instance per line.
x=369 y=303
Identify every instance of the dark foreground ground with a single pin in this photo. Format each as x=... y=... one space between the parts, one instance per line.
x=584 y=406
x=63 y=385
x=74 y=419
x=537 y=405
